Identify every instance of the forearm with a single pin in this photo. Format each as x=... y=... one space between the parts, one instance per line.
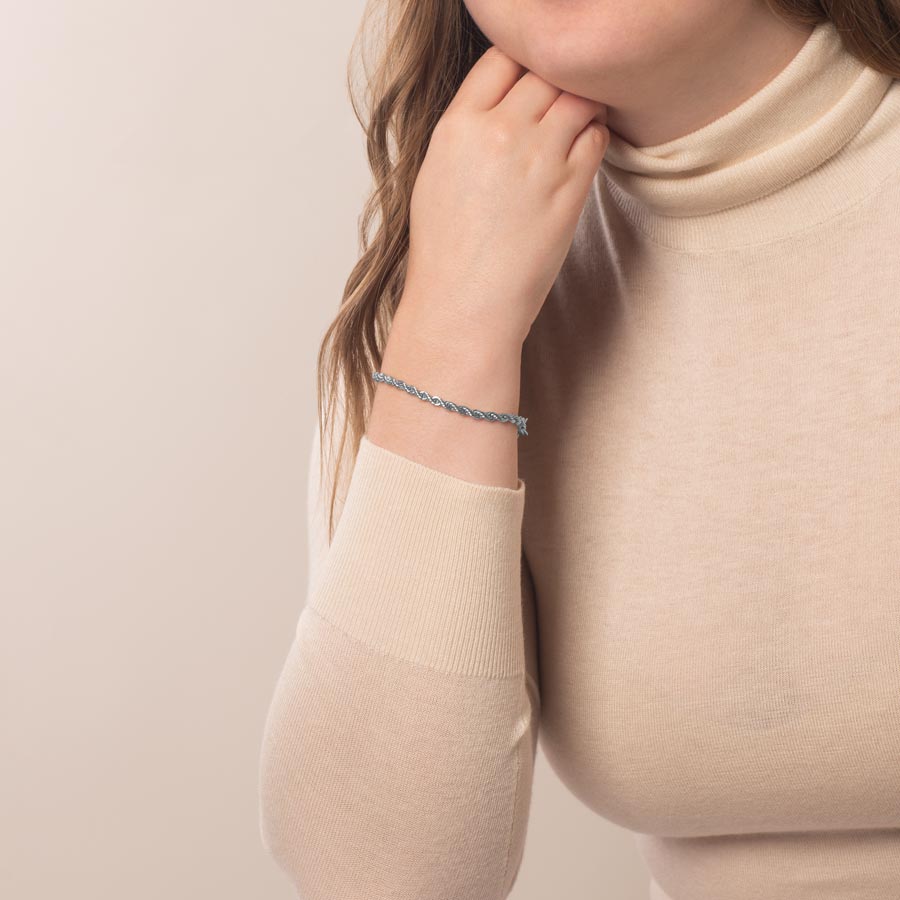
x=456 y=360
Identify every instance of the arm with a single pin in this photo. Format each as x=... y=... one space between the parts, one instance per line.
x=398 y=752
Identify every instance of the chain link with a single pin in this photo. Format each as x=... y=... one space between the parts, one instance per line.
x=518 y=421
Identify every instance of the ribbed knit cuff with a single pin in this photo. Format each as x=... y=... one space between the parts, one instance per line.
x=425 y=566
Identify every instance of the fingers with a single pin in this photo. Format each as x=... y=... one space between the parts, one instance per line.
x=488 y=81
x=566 y=119
x=586 y=154
x=496 y=80
x=529 y=98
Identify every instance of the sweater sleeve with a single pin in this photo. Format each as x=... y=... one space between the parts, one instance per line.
x=398 y=751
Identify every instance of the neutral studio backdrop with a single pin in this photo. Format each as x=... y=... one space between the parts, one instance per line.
x=181 y=183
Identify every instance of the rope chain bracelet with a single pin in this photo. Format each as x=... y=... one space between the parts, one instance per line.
x=518 y=421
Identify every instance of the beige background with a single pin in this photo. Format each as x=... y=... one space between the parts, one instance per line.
x=181 y=183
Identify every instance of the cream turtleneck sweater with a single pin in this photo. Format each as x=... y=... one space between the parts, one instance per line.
x=693 y=595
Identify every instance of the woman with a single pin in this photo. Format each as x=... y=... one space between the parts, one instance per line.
x=699 y=602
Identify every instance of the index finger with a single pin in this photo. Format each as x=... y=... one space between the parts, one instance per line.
x=489 y=80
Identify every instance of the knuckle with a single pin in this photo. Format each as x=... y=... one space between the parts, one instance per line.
x=537 y=157
x=499 y=135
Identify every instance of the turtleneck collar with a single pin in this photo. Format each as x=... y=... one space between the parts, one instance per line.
x=815 y=107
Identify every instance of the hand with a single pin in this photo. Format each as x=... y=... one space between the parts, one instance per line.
x=498 y=197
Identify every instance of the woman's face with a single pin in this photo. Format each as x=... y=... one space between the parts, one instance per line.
x=596 y=48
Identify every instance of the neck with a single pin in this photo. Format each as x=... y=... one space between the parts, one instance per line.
x=699 y=84
x=812 y=141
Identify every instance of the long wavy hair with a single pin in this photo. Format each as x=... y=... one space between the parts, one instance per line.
x=425 y=50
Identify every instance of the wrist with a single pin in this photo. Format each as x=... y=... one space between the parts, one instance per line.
x=443 y=334
x=424 y=350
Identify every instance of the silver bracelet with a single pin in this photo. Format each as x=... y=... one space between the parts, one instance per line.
x=518 y=421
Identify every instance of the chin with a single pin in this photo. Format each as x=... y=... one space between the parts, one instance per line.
x=576 y=45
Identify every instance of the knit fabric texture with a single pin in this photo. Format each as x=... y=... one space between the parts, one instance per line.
x=692 y=597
